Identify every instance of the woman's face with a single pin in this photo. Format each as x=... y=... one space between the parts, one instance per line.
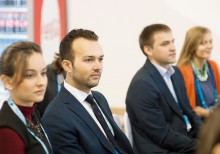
x=33 y=85
x=204 y=49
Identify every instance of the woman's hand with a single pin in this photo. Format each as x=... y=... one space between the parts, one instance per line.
x=201 y=112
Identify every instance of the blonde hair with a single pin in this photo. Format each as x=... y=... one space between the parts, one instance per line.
x=194 y=37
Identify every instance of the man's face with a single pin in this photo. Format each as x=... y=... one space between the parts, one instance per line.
x=163 y=51
x=87 y=65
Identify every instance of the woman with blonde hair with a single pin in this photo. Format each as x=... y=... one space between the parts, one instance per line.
x=201 y=75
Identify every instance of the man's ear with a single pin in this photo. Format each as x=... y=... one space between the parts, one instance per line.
x=148 y=51
x=7 y=82
x=67 y=65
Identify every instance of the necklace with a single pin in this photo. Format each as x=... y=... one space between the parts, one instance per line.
x=34 y=126
x=201 y=76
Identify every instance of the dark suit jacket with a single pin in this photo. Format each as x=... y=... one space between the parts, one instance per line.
x=157 y=122
x=50 y=90
x=72 y=130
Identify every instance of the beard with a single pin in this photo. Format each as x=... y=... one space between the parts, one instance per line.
x=85 y=81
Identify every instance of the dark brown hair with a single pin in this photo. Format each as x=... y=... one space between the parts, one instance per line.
x=14 y=59
x=146 y=37
x=210 y=133
x=66 y=52
x=56 y=64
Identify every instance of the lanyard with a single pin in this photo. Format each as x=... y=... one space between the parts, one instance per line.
x=109 y=125
x=16 y=110
x=201 y=96
x=57 y=87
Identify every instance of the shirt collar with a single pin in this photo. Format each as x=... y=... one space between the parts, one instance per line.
x=78 y=94
x=170 y=71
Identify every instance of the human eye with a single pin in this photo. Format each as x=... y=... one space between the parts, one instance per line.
x=203 y=42
x=43 y=73
x=88 y=60
x=29 y=76
x=165 y=44
x=101 y=59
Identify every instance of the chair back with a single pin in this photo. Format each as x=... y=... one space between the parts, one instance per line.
x=127 y=126
x=117 y=120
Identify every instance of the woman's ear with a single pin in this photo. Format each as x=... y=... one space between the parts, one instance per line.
x=7 y=82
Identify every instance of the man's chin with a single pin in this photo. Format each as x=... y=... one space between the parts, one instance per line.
x=91 y=85
x=172 y=61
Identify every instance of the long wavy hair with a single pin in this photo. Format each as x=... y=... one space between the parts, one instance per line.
x=194 y=37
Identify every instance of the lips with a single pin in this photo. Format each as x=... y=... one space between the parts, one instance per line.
x=174 y=54
x=39 y=92
x=96 y=75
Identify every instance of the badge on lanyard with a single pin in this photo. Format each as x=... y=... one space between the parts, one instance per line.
x=188 y=125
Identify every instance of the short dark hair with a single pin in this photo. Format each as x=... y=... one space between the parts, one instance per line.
x=66 y=51
x=146 y=37
x=14 y=59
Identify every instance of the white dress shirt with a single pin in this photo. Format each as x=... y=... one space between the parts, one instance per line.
x=81 y=96
x=166 y=74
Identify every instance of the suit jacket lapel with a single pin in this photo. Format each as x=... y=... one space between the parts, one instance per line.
x=119 y=135
x=161 y=84
x=75 y=106
x=109 y=117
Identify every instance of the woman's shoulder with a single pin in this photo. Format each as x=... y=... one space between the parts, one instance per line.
x=213 y=63
x=185 y=68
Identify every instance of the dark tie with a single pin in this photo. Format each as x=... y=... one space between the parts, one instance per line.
x=102 y=121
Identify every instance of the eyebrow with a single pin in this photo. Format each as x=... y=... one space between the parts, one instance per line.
x=35 y=70
x=93 y=56
x=167 y=41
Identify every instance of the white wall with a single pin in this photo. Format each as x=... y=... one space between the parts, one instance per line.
x=119 y=23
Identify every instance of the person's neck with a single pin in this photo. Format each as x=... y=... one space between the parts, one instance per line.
x=199 y=63
x=77 y=86
x=166 y=66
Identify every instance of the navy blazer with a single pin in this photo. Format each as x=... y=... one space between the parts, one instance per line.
x=157 y=122
x=72 y=130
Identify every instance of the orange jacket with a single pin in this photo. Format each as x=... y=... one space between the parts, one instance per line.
x=188 y=76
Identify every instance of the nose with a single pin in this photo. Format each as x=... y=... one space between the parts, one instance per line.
x=42 y=80
x=172 y=47
x=209 y=45
x=98 y=64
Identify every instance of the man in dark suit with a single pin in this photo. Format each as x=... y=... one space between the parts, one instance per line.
x=79 y=120
x=161 y=118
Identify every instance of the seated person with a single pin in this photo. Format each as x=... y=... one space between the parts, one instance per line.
x=201 y=75
x=23 y=73
x=161 y=118
x=79 y=120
